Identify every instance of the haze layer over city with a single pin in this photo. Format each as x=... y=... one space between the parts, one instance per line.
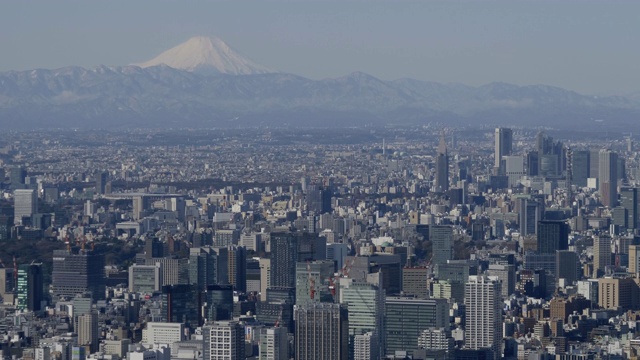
x=319 y=180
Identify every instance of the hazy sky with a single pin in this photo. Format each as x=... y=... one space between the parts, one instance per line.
x=587 y=46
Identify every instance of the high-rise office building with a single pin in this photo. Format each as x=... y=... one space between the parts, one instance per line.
x=629 y=201
x=25 y=204
x=265 y=277
x=503 y=147
x=567 y=262
x=284 y=256
x=178 y=303
x=17 y=177
x=7 y=281
x=87 y=330
x=552 y=236
x=608 y=177
x=594 y=163
x=365 y=347
x=365 y=304
x=634 y=259
x=29 y=287
x=529 y=214
x=202 y=267
x=580 y=167
x=274 y=344
x=601 y=254
x=506 y=273
x=312 y=281
x=218 y=302
x=162 y=333
x=483 y=310
x=321 y=332
x=78 y=273
x=145 y=279
x=288 y=248
x=617 y=293
x=415 y=281
x=6 y=223
x=319 y=200
x=101 y=181
x=237 y=267
x=224 y=340
x=406 y=318
x=442 y=166
x=441 y=237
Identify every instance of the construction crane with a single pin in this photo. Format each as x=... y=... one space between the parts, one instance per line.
x=277 y=324
x=312 y=282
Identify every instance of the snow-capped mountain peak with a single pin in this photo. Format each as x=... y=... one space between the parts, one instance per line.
x=205 y=54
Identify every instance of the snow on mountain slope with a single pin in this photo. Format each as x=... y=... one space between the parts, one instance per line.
x=209 y=55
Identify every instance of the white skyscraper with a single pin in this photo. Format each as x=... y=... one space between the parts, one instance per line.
x=162 y=333
x=224 y=340
x=365 y=347
x=483 y=302
x=25 y=204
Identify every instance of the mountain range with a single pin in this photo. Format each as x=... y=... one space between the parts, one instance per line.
x=204 y=83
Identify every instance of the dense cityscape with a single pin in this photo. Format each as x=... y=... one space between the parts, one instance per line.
x=428 y=242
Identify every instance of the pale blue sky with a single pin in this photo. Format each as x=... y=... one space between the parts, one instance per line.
x=588 y=46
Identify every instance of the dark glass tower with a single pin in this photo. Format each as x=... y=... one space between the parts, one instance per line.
x=75 y=274
x=30 y=284
x=552 y=236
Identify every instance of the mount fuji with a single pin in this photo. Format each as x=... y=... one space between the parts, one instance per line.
x=207 y=55
x=176 y=90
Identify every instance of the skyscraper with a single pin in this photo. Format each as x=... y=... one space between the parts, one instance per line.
x=218 y=302
x=274 y=344
x=319 y=200
x=552 y=236
x=17 y=176
x=442 y=166
x=503 y=147
x=529 y=214
x=312 y=281
x=284 y=255
x=441 y=237
x=601 y=254
x=29 y=287
x=145 y=279
x=365 y=304
x=581 y=165
x=178 y=303
x=88 y=331
x=78 y=273
x=634 y=259
x=287 y=248
x=237 y=267
x=25 y=204
x=567 y=263
x=224 y=340
x=483 y=311
x=321 y=332
x=101 y=181
x=629 y=201
x=608 y=178
x=202 y=267
x=406 y=318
